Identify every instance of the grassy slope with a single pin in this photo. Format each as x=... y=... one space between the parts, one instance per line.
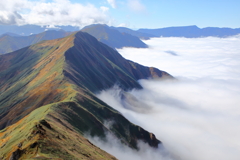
x=59 y=77
x=31 y=78
x=42 y=135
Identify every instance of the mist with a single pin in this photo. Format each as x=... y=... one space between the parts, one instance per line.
x=122 y=152
x=196 y=117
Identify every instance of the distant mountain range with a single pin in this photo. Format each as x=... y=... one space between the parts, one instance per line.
x=11 y=42
x=112 y=37
x=115 y=37
x=138 y=34
x=182 y=31
x=47 y=99
x=191 y=32
x=27 y=30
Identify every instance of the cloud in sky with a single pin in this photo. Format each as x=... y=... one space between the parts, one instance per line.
x=57 y=12
x=112 y=3
x=9 y=11
x=136 y=5
x=198 y=116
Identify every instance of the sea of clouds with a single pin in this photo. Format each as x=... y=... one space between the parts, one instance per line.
x=196 y=117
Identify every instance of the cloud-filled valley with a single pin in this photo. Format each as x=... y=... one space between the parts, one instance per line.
x=196 y=116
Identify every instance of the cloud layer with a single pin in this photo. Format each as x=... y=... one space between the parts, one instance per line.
x=196 y=57
x=198 y=116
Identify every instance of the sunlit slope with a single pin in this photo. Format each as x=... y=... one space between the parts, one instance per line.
x=53 y=82
x=47 y=134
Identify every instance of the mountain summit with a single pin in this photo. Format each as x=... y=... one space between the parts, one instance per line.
x=47 y=99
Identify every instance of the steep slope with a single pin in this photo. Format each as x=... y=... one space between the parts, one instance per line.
x=57 y=79
x=10 y=43
x=44 y=135
x=113 y=37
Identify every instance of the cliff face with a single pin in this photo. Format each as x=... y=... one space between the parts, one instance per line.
x=52 y=84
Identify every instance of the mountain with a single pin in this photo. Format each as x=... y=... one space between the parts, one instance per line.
x=26 y=30
x=191 y=32
x=47 y=100
x=10 y=34
x=134 y=33
x=9 y=43
x=113 y=37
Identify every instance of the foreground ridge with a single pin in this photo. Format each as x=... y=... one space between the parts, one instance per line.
x=47 y=99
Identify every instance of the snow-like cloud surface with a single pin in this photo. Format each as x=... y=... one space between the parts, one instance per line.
x=56 y=12
x=193 y=57
x=198 y=116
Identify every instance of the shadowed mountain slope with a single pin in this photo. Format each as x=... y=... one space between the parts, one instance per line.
x=9 y=43
x=113 y=37
x=134 y=33
x=47 y=98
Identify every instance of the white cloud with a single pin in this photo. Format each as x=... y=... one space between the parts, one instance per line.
x=112 y=3
x=9 y=11
x=198 y=116
x=104 y=9
x=136 y=5
x=196 y=57
x=57 y=12
x=123 y=152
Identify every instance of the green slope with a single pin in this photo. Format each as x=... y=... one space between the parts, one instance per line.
x=62 y=76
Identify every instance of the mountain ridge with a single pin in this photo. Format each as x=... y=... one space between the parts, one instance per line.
x=62 y=75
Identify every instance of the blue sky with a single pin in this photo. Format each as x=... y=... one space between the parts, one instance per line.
x=128 y=13
x=165 y=13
